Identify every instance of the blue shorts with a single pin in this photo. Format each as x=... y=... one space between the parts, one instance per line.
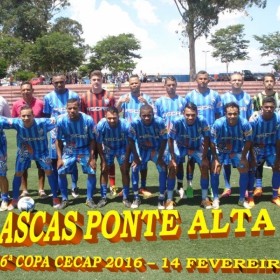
x=69 y=164
x=110 y=158
x=3 y=164
x=150 y=155
x=53 y=134
x=268 y=159
x=230 y=158
x=196 y=155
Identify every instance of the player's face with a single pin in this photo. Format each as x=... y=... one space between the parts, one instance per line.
x=26 y=92
x=268 y=83
x=27 y=117
x=170 y=87
x=202 y=81
x=147 y=116
x=96 y=83
x=236 y=81
x=59 y=83
x=190 y=116
x=73 y=110
x=112 y=119
x=232 y=115
x=268 y=109
x=134 y=85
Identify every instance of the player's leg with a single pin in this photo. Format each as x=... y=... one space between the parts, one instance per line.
x=259 y=175
x=4 y=190
x=270 y=160
x=124 y=168
x=180 y=176
x=74 y=178
x=41 y=177
x=24 y=180
x=226 y=173
x=112 y=178
x=143 y=189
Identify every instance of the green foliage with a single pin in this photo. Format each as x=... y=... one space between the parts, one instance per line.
x=229 y=45
x=116 y=53
x=270 y=47
x=198 y=17
x=23 y=75
x=3 y=68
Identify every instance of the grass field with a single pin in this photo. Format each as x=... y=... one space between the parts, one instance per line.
x=262 y=247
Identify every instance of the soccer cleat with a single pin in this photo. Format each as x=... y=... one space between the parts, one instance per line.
x=251 y=201
x=75 y=192
x=113 y=190
x=276 y=200
x=279 y=191
x=90 y=203
x=136 y=202
x=258 y=192
x=63 y=204
x=4 y=206
x=245 y=204
x=181 y=193
x=161 y=205
x=56 y=202
x=226 y=192
x=216 y=204
x=169 y=204
x=126 y=203
x=145 y=192
x=210 y=192
x=24 y=193
x=189 y=192
x=12 y=205
x=42 y=194
x=102 y=202
x=206 y=204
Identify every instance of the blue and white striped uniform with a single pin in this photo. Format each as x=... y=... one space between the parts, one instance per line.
x=131 y=110
x=32 y=142
x=3 y=148
x=229 y=140
x=76 y=136
x=55 y=104
x=168 y=108
x=189 y=137
x=243 y=100
x=265 y=135
x=148 y=139
x=208 y=104
x=114 y=140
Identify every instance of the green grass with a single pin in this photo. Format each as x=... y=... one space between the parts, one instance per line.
x=248 y=247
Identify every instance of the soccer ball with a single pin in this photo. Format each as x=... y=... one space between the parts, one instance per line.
x=26 y=204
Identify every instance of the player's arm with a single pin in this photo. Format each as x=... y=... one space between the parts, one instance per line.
x=136 y=158
x=205 y=161
x=216 y=165
x=160 y=160
x=92 y=147
x=6 y=110
x=243 y=161
x=121 y=101
x=83 y=103
x=172 y=163
x=59 y=149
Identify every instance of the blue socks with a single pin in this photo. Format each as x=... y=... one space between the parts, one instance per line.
x=91 y=184
x=243 y=184
x=227 y=173
x=16 y=187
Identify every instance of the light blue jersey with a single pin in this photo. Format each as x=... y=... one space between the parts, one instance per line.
x=243 y=100
x=76 y=134
x=131 y=110
x=230 y=139
x=168 y=108
x=208 y=104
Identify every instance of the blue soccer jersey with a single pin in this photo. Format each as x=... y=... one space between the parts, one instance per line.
x=76 y=134
x=243 y=100
x=189 y=136
x=3 y=141
x=148 y=137
x=208 y=104
x=265 y=134
x=32 y=139
x=230 y=139
x=114 y=140
x=131 y=110
x=168 y=108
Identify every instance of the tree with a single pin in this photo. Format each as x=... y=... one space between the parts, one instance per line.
x=3 y=68
x=198 y=17
x=229 y=45
x=270 y=47
x=116 y=53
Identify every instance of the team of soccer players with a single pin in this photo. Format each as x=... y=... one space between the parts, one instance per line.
x=164 y=133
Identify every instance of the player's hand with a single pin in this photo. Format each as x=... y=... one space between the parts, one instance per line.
x=216 y=166
x=92 y=163
x=161 y=163
x=59 y=164
x=254 y=116
x=126 y=99
x=136 y=162
x=172 y=164
x=142 y=99
x=244 y=164
x=277 y=165
x=205 y=163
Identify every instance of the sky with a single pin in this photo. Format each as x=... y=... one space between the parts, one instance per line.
x=155 y=23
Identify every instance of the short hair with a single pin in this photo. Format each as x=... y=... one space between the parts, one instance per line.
x=58 y=75
x=134 y=76
x=146 y=107
x=26 y=83
x=231 y=104
x=96 y=73
x=191 y=106
x=26 y=107
x=269 y=99
x=112 y=110
x=269 y=75
x=201 y=72
x=237 y=73
x=73 y=100
x=170 y=78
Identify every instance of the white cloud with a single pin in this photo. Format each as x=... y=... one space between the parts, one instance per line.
x=107 y=19
x=278 y=13
x=173 y=26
